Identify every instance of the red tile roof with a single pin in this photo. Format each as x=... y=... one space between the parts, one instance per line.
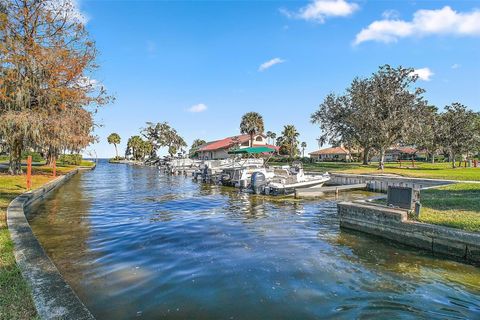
x=228 y=143
x=406 y=150
x=332 y=150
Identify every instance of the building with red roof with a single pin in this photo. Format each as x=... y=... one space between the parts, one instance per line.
x=218 y=149
x=333 y=154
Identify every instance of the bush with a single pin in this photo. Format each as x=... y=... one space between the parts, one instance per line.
x=70 y=159
x=36 y=157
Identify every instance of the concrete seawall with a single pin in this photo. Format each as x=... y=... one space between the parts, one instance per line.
x=380 y=183
x=393 y=224
x=53 y=297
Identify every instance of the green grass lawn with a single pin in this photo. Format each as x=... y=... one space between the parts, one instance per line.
x=456 y=205
x=421 y=170
x=15 y=298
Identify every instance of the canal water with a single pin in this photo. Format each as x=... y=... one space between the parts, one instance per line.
x=134 y=243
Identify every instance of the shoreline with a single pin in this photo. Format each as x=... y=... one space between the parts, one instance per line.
x=51 y=295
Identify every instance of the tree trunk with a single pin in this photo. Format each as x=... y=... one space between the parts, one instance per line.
x=433 y=157
x=116 y=150
x=366 y=154
x=15 y=161
x=251 y=139
x=381 y=164
x=452 y=155
x=51 y=157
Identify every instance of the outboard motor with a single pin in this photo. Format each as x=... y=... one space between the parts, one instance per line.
x=258 y=182
x=226 y=179
x=205 y=173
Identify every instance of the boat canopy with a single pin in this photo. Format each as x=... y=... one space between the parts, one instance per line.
x=252 y=150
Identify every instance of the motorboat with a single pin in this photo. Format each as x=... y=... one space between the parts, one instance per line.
x=240 y=176
x=285 y=180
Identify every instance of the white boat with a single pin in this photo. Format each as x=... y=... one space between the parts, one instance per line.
x=240 y=176
x=286 y=180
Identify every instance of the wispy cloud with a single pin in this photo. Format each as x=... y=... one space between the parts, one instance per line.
x=68 y=8
x=320 y=10
x=270 y=63
x=198 y=108
x=445 y=21
x=151 y=48
x=424 y=74
x=456 y=66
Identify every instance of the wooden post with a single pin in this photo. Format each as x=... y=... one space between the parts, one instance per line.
x=54 y=168
x=29 y=172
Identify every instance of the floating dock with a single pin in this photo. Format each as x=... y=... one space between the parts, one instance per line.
x=318 y=192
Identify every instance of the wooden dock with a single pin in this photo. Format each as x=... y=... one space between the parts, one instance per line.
x=318 y=192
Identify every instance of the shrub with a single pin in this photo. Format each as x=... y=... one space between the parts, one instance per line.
x=70 y=159
x=36 y=157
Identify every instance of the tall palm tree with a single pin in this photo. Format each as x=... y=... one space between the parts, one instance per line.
x=135 y=144
x=303 y=145
x=290 y=139
x=252 y=124
x=114 y=139
x=274 y=136
x=269 y=136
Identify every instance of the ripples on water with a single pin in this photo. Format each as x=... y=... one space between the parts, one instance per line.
x=134 y=243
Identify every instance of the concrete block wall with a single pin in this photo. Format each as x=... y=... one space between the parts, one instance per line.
x=393 y=224
x=381 y=183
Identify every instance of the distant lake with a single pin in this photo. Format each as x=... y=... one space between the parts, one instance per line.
x=134 y=243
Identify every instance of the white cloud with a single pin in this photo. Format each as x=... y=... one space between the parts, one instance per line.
x=390 y=14
x=86 y=81
x=270 y=63
x=68 y=8
x=198 y=108
x=445 y=21
x=456 y=66
x=319 y=10
x=424 y=74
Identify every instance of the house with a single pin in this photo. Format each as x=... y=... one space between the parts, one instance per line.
x=334 y=154
x=218 y=149
x=400 y=153
x=394 y=154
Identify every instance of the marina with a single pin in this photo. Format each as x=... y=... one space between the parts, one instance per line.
x=315 y=159
x=132 y=241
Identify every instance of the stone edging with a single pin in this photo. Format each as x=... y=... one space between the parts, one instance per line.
x=53 y=297
x=393 y=224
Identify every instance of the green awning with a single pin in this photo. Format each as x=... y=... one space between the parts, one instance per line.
x=252 y=150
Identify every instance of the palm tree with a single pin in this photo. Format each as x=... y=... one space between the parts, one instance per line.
x=290 y=139
x=303 y=145
x=269 y=136
x=196 y=144
x=114 y=138
x=274 y=136
x=135 y=144
x=252 y=124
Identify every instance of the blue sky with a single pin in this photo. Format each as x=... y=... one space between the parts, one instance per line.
x=164 y=60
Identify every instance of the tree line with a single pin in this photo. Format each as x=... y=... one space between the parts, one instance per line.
x=386 y=109
x=151 y=139
x=47 y=98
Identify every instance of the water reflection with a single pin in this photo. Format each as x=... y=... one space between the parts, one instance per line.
x=134 y=243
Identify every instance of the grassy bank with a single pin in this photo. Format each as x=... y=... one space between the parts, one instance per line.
x=15 y=299
x=421 y=170
x=456 y=205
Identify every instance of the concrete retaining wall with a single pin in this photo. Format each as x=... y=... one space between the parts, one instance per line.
x=53 y=297
x=393 y=224
x=381 y=183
